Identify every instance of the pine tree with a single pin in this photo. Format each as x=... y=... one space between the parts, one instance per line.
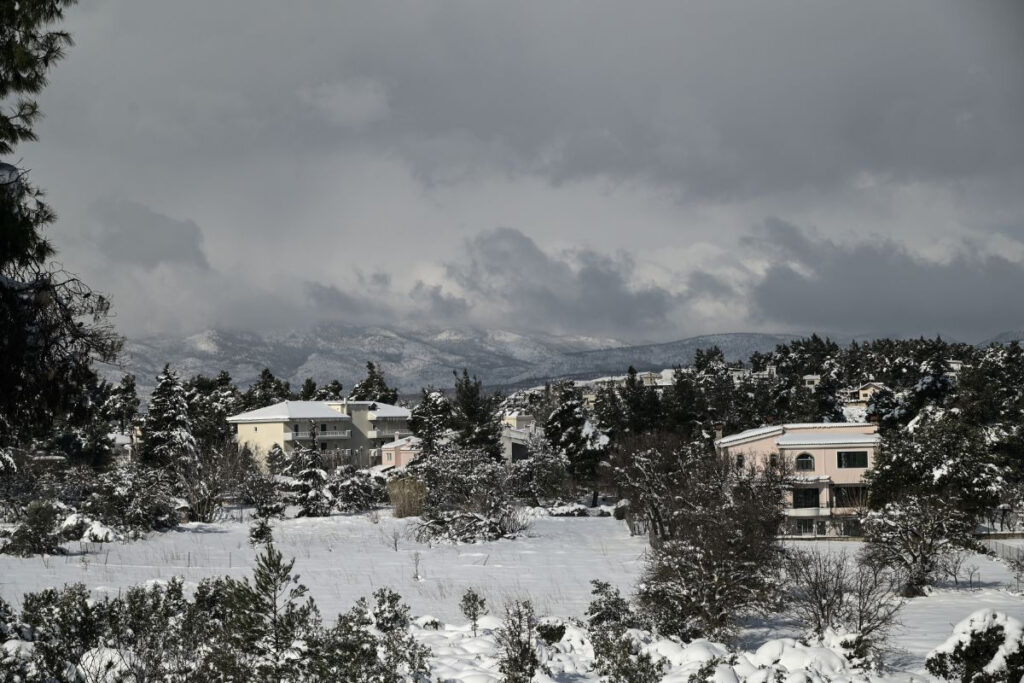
x=52 y=326
x=312 y=486
x=569 y=433
x=475 y=416
x=210 y=402
x=640 y=403
x=374 y=388
x=308 y=390
x=609 y=413
x=431 y=418
x=167 y=438
x=331 y=392
x=271 y=624
x=122 y=404
x=266 y=391
x=945 y=457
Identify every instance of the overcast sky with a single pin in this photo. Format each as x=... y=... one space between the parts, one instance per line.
x=636 y=170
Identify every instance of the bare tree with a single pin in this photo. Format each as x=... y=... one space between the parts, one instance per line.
x=831 y=592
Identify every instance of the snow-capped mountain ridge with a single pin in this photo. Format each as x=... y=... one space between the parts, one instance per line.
x=416 y=358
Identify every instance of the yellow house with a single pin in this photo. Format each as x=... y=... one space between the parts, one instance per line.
x=354 y=430
x=828 y=462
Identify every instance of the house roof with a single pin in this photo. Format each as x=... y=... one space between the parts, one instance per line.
x=290 y=410
x=772 y=430
x=828 y=439
x=411 y=442
x=385 y=410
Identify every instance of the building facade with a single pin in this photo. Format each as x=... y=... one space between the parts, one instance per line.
x=353 y=430
x=827 y=462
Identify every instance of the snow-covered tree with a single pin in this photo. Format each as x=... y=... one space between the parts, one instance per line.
x=271 y=624
x=986 y=647
x=943 y=456
x=122 y=405
x=912 y=534
x=312 y=487
x=330 y=392
x=475 y=416
x=266 y=391
x=167 y=438
x=373 y=387
x=211 y=400
x=716 y=558
x=431 y=418
x=640 y=403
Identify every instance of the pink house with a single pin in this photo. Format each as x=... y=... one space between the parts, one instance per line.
x=400 y=452
x=828 y=461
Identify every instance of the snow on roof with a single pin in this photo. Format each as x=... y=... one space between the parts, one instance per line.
x=762 y=432
x=749 y=434
x=386 y=410
x=405 y=442
x=291 y=410
x=829 y=439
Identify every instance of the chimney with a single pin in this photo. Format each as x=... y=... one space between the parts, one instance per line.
x=719 y=429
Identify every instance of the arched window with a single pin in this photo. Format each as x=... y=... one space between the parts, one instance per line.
x=804 y=463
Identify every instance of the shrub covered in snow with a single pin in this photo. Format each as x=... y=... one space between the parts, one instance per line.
x=38 y=532
x=357 y=490
x=516 y=641
x=986 y=647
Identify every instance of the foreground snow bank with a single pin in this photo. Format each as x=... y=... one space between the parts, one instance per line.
x=461 y=657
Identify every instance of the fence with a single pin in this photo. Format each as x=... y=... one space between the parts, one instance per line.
x=1004 y=551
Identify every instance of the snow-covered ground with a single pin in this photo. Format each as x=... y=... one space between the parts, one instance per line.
x=342 y=558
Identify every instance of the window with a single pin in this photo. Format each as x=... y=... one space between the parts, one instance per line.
x=295 y=427
x=323 y=426
x=740 y=461
x=389 y=457
x=850 y=496
x=804 y=463
x=805 y=498
x=851 y=527
x=773 y=460
x=323 y=447
x=805 y=527
x=853 y=459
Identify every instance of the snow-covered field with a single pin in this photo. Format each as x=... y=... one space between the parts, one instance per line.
x=342 y=558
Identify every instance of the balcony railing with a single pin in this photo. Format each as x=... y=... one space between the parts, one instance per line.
x=388 y=433
x=808 y=512
x=328 y=434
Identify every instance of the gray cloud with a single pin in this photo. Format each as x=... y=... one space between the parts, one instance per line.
x=360 y=145
x=434 y=304
x=131 y=233
x=879 y=286
x=578 y=291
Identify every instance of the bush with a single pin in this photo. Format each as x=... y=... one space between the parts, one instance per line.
x=517 y=654
x=551 y=633
x=357 y=490
x=986 y=647
x=38 y=532
x=473 y=606
x=470 y=527
x=407 y=496
x=829 y=594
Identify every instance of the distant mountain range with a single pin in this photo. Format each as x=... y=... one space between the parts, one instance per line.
x=416 y=358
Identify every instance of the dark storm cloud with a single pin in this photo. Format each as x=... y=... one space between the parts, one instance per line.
x=579 y=291
x=879 y=286
x=330 y=301
x=435 y=305
x=134 y=234
x=357 y=145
